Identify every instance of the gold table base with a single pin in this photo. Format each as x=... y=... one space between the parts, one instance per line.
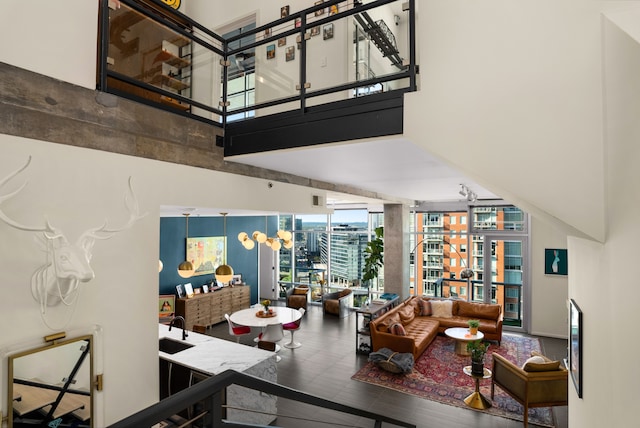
x=477 y=401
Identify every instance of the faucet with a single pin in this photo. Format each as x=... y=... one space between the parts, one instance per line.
x=184 y=330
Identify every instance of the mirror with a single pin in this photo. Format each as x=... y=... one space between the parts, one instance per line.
x=51 y=386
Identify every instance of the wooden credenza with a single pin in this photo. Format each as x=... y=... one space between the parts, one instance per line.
x=209 y=308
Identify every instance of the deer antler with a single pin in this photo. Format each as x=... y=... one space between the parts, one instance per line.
x=47 y=228
x=102 y=232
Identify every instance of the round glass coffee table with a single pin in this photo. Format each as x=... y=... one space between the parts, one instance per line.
x=476 y=400
x=462 y=336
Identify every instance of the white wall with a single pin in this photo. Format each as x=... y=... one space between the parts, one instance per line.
x=77 y=189
x=518 y=86
x=549 y=293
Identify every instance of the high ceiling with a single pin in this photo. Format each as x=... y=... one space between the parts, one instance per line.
x=392 y=167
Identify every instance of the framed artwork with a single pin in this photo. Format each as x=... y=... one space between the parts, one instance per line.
x=267 y=32
x=327 y=32
x=290 y=53
x=206 y=253
x=282 y=42
x=166 y=305
x=271 y=51
x=237 y=279
x=205 y=288
x=298 y=22
x=284 y=11
x=180 y=291
x=555 y=261
x=575 y=345
x=197 y=290
x=319 y=12
x=315 y=30
x=333 y=9
x=188 y=289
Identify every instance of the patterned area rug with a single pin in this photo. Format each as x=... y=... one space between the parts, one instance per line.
x=438 y=376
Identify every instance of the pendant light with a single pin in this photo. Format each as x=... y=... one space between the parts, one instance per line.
x=224 y=272
x=185 y=269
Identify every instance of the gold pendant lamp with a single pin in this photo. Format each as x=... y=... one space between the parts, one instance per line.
x=224 y=272
x=185 y=269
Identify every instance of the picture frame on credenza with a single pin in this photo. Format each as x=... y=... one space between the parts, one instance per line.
x=180 y=291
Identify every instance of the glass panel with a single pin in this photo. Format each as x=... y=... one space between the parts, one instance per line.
x=499 y=218
x=146 y=51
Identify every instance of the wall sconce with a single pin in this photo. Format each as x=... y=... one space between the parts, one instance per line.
x=282 y=239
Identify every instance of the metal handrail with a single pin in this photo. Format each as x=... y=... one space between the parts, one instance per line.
x=210 y=392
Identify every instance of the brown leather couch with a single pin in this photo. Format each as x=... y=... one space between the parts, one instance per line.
x=419 y=327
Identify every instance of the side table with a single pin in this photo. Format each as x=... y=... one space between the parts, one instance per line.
x=370 y=312
x=476 y=400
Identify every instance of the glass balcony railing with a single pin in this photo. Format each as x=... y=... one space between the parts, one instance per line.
x=337 y=50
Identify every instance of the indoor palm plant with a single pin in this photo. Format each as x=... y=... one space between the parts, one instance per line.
x=373 y=257
x=477 y=349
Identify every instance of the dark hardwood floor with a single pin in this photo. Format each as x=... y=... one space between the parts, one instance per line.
x=325 y=362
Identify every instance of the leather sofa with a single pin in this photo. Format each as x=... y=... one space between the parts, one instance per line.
x=338 y=302
x=412 y=325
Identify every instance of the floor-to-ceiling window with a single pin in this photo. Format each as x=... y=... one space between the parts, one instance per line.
x=477 y=255
x=328 y=252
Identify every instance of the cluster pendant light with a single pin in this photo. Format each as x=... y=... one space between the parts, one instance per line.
x=185 y=269
x=224 y=272
x=282 y=239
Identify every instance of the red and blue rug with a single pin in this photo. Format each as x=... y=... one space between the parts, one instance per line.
x=437 y=375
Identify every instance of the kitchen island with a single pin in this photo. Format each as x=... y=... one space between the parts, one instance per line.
x=210 y=356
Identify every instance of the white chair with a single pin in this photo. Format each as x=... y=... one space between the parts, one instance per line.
x=237 y=330
x=292 y=327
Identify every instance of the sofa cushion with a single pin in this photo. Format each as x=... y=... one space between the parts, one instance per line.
x=442 y=308
x=478 y=310
x=300 y=290
x=425 y=308
x=397 y=329
x=407 y=314
x=385 y=323
x=538 y=363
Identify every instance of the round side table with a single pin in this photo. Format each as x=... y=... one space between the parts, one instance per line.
x=476 y=400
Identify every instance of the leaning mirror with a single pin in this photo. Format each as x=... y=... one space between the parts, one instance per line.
x=51 y=386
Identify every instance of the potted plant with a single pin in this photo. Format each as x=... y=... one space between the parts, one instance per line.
x=374 y=257
x=473 y=327
x=477 y=349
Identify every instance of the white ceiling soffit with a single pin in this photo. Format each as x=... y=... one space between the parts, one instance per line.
x=393 y=167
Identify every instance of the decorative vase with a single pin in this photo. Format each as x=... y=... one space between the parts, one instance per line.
x=477 y=367
x=266 y=310
x=473 y=331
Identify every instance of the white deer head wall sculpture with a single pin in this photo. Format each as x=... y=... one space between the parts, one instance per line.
x=67 y=263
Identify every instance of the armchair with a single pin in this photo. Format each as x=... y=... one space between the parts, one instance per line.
x=338 y=302
x=535 y=385
x=298 y=297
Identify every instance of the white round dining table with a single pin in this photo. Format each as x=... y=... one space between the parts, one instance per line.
x=248 y=317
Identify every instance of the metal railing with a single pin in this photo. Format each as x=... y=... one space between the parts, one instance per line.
x=210 y=394
x=164 y=58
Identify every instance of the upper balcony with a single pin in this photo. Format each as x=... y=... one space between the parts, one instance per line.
x=333 y=72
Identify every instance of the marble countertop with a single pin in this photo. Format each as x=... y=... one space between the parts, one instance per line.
x=211 y=355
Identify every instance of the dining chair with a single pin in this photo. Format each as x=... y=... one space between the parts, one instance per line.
x=292 y=327
x=272 y=333
x=237 y=330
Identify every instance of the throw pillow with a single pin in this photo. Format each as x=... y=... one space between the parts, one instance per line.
x=407 y=314
x=442 y=308
x=344 y=292
x=397 y=329
x=300 y=290
x=425 y=308
x=538 y=363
